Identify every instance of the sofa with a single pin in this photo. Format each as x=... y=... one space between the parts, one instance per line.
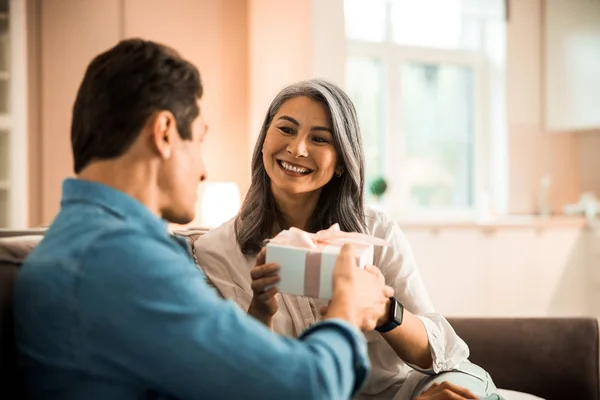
x=552 y=358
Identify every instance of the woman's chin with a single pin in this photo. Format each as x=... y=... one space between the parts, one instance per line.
x=292 y=189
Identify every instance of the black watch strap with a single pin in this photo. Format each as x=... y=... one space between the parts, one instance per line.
x=395 y=316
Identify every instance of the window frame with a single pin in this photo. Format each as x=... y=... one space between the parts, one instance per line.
x=489 y=181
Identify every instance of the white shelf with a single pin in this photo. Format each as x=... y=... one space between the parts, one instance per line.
x=4 y=75
x=4 y=185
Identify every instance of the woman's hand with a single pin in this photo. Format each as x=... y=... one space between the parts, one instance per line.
x=264 y=303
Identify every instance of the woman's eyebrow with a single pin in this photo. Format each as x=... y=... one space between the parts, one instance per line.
x=314 y=128
x=292 y=120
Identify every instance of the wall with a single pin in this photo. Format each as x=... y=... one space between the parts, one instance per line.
x=280 y=52
x=34 y=142
x=589 y=161
x=247 y=50
x=569 y=157
x=532 y=151
x=72 y=32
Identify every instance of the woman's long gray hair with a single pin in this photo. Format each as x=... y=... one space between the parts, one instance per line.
x=341 y=200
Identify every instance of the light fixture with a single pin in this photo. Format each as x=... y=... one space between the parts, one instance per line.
x=218 y=203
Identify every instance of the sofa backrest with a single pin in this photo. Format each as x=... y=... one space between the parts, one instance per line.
x=552 y=358
x=14 y=247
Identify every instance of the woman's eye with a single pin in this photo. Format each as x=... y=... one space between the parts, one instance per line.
x=286 y=130
x=318 y=139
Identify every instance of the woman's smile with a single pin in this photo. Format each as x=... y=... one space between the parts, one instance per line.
x=292 y=169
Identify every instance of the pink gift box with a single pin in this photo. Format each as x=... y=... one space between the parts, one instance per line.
x=307 y=260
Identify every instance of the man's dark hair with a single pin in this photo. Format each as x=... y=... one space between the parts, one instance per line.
x=121 y=88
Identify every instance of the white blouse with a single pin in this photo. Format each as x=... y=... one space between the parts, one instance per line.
x=228 y=268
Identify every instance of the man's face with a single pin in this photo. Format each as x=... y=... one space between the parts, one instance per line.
x=182 y=173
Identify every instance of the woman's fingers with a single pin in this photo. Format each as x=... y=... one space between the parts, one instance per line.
x=262 y=284
x=261 y=256
x=263 y=270
x=266 y=295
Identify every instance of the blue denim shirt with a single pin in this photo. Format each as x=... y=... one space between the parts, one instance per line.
x=111 y=306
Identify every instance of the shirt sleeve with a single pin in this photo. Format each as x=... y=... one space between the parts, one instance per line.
x=164 y=328
x=398 y=265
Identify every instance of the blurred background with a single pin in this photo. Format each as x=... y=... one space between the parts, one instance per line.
x=480 y=119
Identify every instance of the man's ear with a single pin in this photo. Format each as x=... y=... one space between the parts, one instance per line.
x=164 y=129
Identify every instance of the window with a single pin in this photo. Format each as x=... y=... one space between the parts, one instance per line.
x=424 y=77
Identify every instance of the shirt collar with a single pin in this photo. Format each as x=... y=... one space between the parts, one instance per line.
x=112 y=200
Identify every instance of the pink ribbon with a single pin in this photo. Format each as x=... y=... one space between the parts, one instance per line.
x=312 y=242
x=312 y=274
x=333 y=235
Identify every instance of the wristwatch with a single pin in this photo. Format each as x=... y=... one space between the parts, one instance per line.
x=395 y=315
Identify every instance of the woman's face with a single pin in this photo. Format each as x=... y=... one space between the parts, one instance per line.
x=298 y=152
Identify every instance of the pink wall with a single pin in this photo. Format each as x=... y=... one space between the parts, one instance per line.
x=212 y=34
x=72 y=33
x=279 y=47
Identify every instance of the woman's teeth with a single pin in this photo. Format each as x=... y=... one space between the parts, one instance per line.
x=294 y=169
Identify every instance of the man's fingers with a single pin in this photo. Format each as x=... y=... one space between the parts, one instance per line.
x=263 y=270
x=448 y=394
x=261 y=256
x=451 y=387
x=388 y=291
x=447 y=390
x=375 y=271
x=346 y=253
x=372 y=269
x=431 y=389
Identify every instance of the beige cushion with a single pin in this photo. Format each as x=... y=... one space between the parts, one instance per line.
x=14 y=250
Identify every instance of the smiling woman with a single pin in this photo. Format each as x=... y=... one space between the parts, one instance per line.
x=308 y=172
x=305 y=157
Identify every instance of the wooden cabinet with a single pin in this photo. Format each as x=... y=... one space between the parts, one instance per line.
x=538 y=269
x=571 y=65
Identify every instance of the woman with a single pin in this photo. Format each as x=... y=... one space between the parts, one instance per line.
x=308 y=172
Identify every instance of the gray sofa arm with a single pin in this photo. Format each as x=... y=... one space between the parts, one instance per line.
x=553 y=358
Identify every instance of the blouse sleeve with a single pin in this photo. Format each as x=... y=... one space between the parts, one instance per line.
x=398 y=265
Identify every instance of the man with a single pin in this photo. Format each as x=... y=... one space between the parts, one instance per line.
x=110 y=306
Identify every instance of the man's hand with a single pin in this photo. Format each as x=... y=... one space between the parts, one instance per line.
x=264 y=303
x=359 y=296
x=446 y=391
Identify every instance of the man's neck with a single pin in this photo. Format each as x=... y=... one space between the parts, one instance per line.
x=134 y=179
x=297 y=209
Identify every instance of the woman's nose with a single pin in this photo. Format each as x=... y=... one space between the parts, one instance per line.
x=297 y=147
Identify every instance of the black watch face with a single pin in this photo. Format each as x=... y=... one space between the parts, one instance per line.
x=398 y=313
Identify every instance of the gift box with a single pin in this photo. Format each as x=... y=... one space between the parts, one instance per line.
x=307 y=260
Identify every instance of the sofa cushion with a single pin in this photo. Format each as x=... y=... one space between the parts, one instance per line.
x=14 y=250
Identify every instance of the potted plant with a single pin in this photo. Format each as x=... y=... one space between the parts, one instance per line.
x=378 y=187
